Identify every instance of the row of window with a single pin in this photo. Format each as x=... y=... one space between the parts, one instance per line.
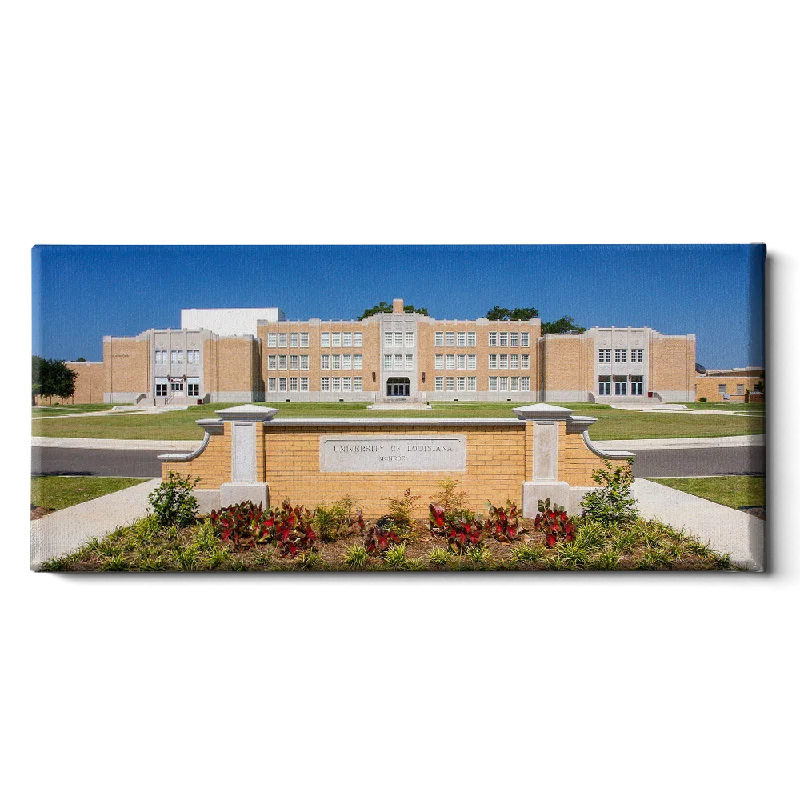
x=497 y=383
x=177 y=356
x=398 y=361
x=620 y=355
x=287 y=340
x=469 y=339
x=341 y=339
x=397 y=338
x=326 y=384
x=623 y=384
x=177 y=387
x=722 y=388
x=287 y=362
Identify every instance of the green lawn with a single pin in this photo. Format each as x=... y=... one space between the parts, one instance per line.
x=58 y=492
x=59 y=411
x=740 y=408
x=612 y=423
x=728 y=490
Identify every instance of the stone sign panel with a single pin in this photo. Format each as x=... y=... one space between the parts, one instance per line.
x=435 y=453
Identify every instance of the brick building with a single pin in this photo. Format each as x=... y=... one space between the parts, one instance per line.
x=384 y=357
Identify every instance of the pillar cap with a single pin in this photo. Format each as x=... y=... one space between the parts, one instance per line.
x=542 y=411
x=247 y=413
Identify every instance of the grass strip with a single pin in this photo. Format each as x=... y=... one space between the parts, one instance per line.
x=55 y=491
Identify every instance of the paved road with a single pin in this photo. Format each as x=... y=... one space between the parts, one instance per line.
x=648 y=464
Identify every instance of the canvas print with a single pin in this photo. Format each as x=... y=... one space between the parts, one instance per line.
x=398 y=408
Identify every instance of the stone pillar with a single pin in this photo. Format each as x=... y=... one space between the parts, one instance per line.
x=541 y=426
x=247 y=481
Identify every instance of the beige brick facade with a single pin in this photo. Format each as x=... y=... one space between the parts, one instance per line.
x=736 y=383
x=672 y=366
x=126 y=368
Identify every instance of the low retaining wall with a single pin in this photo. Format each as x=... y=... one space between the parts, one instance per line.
x=249 y=454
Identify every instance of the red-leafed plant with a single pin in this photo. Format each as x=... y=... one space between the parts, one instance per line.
x=461 y=528
x=381 y=537
x=503 y=521
x=243 y=524
x=554 y=523
x=293 y=529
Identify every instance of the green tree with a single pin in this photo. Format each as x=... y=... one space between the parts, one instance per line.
x=52 y=378
x=563 y=325
x=80 y=359
x=516 y=314
x=386 y=308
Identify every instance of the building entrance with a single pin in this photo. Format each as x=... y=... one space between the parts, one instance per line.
x=398 y=387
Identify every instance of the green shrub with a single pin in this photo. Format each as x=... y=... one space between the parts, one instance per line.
x=173 y=501
x=612 y=503
x=339 y=519
x=401 y=512
x=395 y=557
x=355 y=557
x=702 y=399
x=438 y=557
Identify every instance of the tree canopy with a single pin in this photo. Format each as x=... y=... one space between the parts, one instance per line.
x=52 y=378
x=499 y=313
x=386 y=308
x=563 y=325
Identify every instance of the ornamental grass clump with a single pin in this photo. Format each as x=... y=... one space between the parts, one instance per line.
x=556 y=525
x=611 y=503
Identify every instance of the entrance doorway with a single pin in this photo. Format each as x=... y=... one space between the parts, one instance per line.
x=398 y=387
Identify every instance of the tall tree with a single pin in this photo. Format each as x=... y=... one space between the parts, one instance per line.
x=52 y=378
x=386 y=308
x=500 y=313
x=563 y=325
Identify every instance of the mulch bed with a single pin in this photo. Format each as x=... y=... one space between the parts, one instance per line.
x=37 y=512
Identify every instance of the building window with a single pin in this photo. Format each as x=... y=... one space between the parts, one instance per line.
x=398 y=361
x=293 y=384
x=503 y=340
x=513 y=340
x=462 y=361
x=449 y=361
x=438 y=384
x=282 y=384
x=272 y=384
x=722 y=388
x=192 y=356
x=335 y=362
x=272 y=340
x=637 y=385
x=525 y=340
x=176 y=386
x=176 y=356
x=387 y=361
x=525 y=361
x=502 y=384
x=471 y=339
x=161 y=356
x=326 y=362
x=357 y=361
x=739 y=388
x=303 y=362
x=461 y=338
x=438 y=361
x=493 y=383
x=282 y=362
x=161 y=389
x=409 y=361
x=513 y=361
x=357 y=384
x=358 y=340
x=347 y=361
x=492 y=360
x=472 y=361
x=472 y=383
x=388 y=338
x=409 y=338
x=462 y=384
x=492 y=339
x=346 y=384
x=336 y=340
x=347 y=340
x=303 y=340
x=325 y=340
x=294 y=340
x=438 y=339
x=450 y=384
x=604 y=384
x=604 y=355
x=294 y=362
x=336 y=384
x=525 y=384
x=398 y=338
x=450 y=338
x=503 y=361
x=620 y=356
x=281 y=340
x=637 y=356
x=303 y=384
x=325 y=384
x=272 y=362
x=513 y=384
x=620 y=385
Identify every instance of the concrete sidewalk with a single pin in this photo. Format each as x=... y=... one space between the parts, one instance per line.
x=749 y=440
x=723 y=529
x=64 y=531
x=167 y=445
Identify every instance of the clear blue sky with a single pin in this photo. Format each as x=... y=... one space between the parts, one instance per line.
x=81 y=293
